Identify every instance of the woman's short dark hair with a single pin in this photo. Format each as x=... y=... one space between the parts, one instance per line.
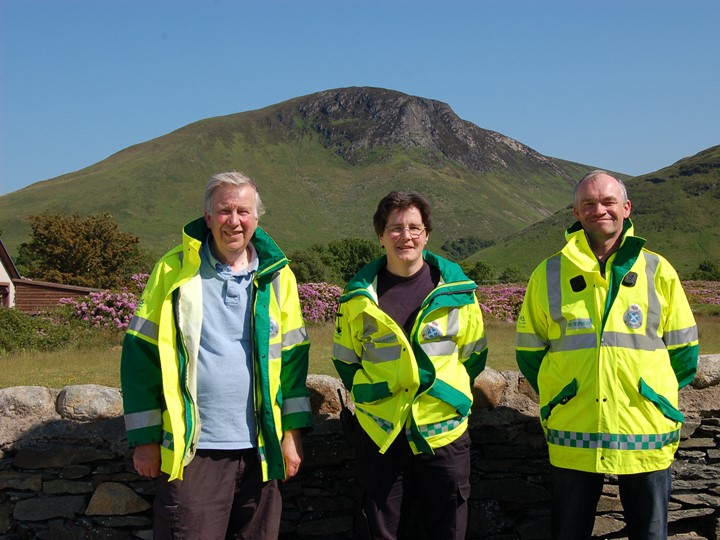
x=402 y=200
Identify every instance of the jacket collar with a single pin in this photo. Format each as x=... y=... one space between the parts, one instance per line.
x=579 y=252
x=450 y=272
x=270 y=255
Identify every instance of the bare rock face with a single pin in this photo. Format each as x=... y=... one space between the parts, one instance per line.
x=363 y=124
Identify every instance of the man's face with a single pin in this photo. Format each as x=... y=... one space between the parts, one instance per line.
x=600 y=208
x=233 y=220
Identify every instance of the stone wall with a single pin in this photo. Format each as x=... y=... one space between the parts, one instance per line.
x=65 y=471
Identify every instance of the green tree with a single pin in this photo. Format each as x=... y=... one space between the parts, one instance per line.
x=461 y=248
x=480 y=272
x=351 y=254
x=512 y=274
x=309 y=267
x=707 y=271
x=89 y=252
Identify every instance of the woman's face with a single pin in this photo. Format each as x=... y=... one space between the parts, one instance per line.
x=404 y=240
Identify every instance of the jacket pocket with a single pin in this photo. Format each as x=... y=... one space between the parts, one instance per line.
x=565 y=395
x=369 y=392
x=661 y=402
x=452 y=396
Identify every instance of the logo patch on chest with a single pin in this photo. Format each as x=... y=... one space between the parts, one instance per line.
x=633 y=317
x=274 y=328
x=431 y=331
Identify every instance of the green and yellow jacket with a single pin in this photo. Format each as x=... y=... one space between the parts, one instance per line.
x=607 y=355
x=160 y=350
x=418 y=385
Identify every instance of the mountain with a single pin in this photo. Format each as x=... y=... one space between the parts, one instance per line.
x=675 y=209
x=322 y=163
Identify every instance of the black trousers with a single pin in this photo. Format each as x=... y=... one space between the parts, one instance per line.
x=644 y=496
x=221 y=496
x=389 y=484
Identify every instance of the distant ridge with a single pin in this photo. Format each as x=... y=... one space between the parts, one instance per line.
x=676 y=209
x=322 y=162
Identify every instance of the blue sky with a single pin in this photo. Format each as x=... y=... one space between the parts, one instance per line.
x=627 y=85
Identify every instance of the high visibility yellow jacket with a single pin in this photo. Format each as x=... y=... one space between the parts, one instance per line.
x=160 y=350
x=608 y=355
x=418 y=385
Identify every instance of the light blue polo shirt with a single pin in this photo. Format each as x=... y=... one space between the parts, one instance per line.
x=225 y=374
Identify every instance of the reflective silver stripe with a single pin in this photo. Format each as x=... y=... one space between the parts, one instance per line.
x=473 y=347
x=575 y=342
x=375 y=354
x=652 y=324
x=294 y=337
x=144 y=327
x=554 y=292
x=344 y=354
x=445 y=347
x=369 y=326
x=276 y=287
x=296 y=405
x=453 y=322
x=143 y=419
x=275 y=350
x=632 y=341
x=530 y=341
x=681 y=337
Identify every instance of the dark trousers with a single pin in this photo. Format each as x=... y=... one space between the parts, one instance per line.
x=221 y=496
x=644 y=498
x=390 y=483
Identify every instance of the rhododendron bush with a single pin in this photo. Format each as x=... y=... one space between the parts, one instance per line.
x=319 y=301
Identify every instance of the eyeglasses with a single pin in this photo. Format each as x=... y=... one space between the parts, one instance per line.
x=398 y=230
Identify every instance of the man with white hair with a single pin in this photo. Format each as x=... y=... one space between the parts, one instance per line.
x=214 y=366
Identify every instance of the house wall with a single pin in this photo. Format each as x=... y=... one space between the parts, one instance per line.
x=35 y=296
x=7 y=288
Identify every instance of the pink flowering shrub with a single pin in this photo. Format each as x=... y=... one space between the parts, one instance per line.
x=319 y=301
x=702 y=293
x=109 y=309
x=501 y=301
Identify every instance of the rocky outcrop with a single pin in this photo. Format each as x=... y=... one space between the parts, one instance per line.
x=65 y=471
x=363 y=125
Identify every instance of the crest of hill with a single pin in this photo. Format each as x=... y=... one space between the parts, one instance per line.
x=322 y=162
x=675 y=209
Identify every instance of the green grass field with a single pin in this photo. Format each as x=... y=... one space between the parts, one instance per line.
x=65 y=367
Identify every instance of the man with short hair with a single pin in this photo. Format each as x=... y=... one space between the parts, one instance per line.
x=213 y=372
x=607 y=337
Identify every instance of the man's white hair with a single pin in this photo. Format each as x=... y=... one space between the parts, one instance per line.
x=236 y=179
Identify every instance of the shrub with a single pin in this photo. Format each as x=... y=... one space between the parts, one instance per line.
x=109 y=309
x=501 y=301
x=21 y=331
x=319 y=301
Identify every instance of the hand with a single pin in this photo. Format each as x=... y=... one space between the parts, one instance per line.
x=292 y=452
x=147 y=460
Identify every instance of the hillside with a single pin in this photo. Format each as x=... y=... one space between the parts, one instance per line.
x=675 y=209
x=322 y=162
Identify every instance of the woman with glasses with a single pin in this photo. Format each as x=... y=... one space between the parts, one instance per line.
x=409 y=342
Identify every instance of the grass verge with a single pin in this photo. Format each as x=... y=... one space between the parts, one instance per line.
x=68 y=366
